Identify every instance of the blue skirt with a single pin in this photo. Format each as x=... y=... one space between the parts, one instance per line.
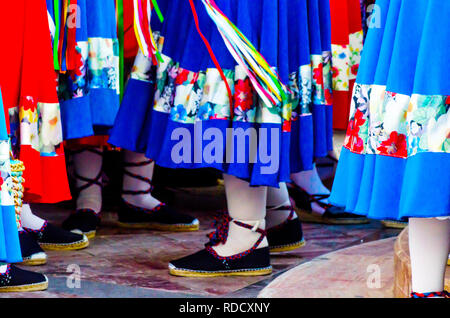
x=396 y=158
x=179 y=114
x=9 y=236
x=89 y=95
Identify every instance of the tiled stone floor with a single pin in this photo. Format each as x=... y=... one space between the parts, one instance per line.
x=362 y=271
x=133 y=263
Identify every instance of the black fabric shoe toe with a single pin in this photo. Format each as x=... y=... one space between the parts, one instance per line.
x=18 y=280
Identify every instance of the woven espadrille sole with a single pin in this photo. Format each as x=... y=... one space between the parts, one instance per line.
x=34 y=262
x=161 y=227
x=394 y=224
x=239 y=272
x=287 y=247
x=65 y=247
x=309 y=217
x=25 y=288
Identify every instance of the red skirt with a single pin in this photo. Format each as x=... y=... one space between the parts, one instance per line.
x=346 y=44
x=28 y=83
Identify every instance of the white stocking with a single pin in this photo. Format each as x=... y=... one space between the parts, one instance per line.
x=247 y=205
x=429 y=245
x=3 y=268
x=277 y=198
x=89 y=165
x=29 y=220
x=310 y=182
x=146 y=201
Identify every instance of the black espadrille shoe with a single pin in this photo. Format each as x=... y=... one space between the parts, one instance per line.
x=161 y=218
x=32 y=253
x=19 y=280
x=287 y=236
x=52 y=238
x=207 y=263
x=332 y=215
x=83 y=221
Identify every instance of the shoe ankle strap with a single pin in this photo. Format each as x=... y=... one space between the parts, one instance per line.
x=138 y=177
x=89 y=182
x=443 y=293
x=284 y=208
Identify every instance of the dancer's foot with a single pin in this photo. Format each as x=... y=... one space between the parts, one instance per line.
x=84 y=222
x=88 y=175
x=139 y=209
x=208 y=263
x=15 y=279
x=286 y=236
x=53 y=238
x=330 y=215
x=32 y=253
x=161 y=218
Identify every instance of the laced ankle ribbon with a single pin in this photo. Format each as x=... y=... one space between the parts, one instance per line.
x=136 y=176
x=444 y=294
x=222 y=224
x=89 y=182
x=140 y=192
x=315 y=197
x=283 y=208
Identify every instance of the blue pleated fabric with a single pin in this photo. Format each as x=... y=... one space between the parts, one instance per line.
x=9 y=237
x=89 y=95
x=396 y=158
x=187 y=92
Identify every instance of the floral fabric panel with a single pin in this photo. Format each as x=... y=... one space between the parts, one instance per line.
x=37 y=125
x=322 y=93
x=397 y=125
x=346 y=59
x=97 y=67
x=190 y=96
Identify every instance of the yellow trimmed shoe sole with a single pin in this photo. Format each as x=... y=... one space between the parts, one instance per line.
x=394 y=224
x=65 y=247
x=287 y=248
x=34 y=262
x=187 y=273
x=25 y=288
x=309 y=217
x=161 y=227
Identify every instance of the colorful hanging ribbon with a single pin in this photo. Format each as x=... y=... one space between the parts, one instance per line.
x=121 y=38
x=142 y=28
x=64 y=39
x=264 y=79
x=213 y=57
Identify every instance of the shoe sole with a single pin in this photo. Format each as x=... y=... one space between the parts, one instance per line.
x=161 y=227
x=393 y=224
x=287 y=247
x=25 y=288
x=65 y=247
x=309 y=217
x=34 y=262
x=189 y=273
x=90 y=235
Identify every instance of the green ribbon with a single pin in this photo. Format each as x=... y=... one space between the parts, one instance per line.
x=121 y=35
x=157 y=10
x=57 y=31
